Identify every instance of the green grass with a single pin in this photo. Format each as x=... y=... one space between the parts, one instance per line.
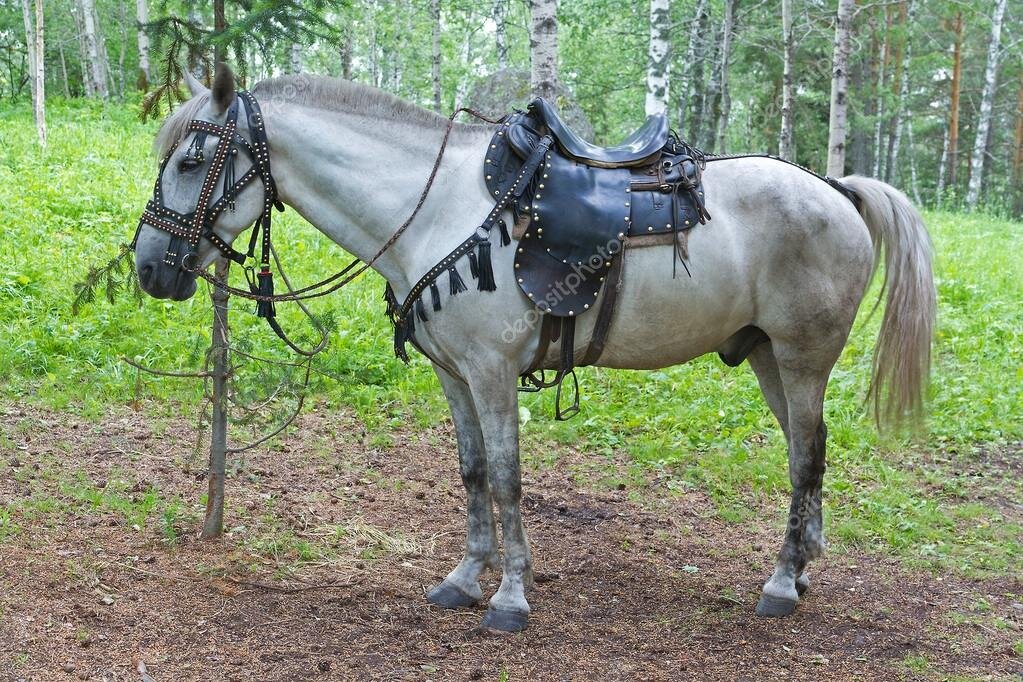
x=703 y=424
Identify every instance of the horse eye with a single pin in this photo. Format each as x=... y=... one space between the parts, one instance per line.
x=189 y=163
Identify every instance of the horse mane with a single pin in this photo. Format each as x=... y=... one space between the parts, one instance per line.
x=337 y=94
x=322 y=92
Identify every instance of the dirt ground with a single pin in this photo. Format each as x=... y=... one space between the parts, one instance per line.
x=335 y=536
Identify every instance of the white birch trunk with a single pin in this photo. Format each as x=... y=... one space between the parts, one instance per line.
x=725 y=104
x=462 y=90
x=296 y=58
x=30 y=45
x=684 y=81
x=435 y=68
x=986 y=103
x=500 y=15
x=142 y=16
x=786 y=148
x=838 y=119
x=913 y=183
x=879 y=108
x=658 y=57
x=37 y=64
x=543 y=44
x=900 y=107
x=943 y=165
x=94 y=66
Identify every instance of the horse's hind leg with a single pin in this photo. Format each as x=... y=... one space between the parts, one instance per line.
x=461 y=588
x=804 y=376
x=765 y=366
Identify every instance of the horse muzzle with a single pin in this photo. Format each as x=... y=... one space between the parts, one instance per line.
x=163 y=281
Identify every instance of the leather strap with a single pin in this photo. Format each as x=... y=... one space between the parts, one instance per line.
x=605 y=316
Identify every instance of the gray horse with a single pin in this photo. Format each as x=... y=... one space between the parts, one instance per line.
x=785 y=253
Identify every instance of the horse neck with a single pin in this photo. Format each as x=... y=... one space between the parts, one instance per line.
x=357 y=178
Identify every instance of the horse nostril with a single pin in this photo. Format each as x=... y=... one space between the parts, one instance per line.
x=146 y=274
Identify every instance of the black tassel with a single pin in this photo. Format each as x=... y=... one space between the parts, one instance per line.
x=435 y=295
x=505 y=237
x=455 y=280
x=421 y=310
x=266 y=288
x=486 y=268
x=474 y=269
x=400 y=337
x=229 y=178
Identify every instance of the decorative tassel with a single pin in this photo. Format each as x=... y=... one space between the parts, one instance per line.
x=474 y=268
x=229 y=178
x=421 y=310
x=455 y=281
x=503 y=227
x=265 y=288
x=486 y=268
x=435 y=295
x=400 y=337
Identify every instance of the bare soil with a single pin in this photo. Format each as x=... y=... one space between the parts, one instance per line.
x=333 y=542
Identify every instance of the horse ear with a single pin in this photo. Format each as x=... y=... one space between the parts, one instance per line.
x=194 y=86
x=223 y=88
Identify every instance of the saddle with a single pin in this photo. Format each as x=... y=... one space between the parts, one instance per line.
x=578 y=212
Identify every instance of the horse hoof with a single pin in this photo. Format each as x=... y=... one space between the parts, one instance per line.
x=506 y=621
x=802 y=584
x=775 y=607
x=447 y=595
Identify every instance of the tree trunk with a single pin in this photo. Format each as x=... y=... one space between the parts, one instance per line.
x=901 y=104
x=953 y=120
x=879 y=107
x=83 y=49
x=213 y=526
x=462 y=89
x=986 y=103
x=122 y=20
x=219 y=26
x=725 y=101
x=913 y=184
x=296 y=58
x=1017 y=155
x=37 y=73
x=142 y=16
x=63 y=70
x=685 y=85
x=943 y=164
x=435 y=68
x=93 y=67
x=786 y=149
x=892 y=121
x=709 y=93
x=837 y=120
x=346 y=56
x=658 y=57
x=543 y=52
x=30 y=44
x=500 y=15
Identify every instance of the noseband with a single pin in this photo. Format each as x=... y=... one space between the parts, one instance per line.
x=187 y=230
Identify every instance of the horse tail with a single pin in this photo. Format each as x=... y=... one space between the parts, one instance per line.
x=902 y=356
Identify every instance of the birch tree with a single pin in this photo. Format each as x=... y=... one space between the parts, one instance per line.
x=142 y=17
x=500 y=15
x=725 y=101
x=543 y=48
x=986 y=103
x=30 y=44
x=786 y=146
x=36 y=64
x=658 y=57
x=900 y=106
x=435 y=64
x=97 y=74
x=838 y=119
x=685 y=85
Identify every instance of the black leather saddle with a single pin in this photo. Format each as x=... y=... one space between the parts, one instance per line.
x=583 y=204
x=638 y=149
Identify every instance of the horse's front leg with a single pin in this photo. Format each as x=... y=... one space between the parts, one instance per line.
x=496 y=399
x=461 y=587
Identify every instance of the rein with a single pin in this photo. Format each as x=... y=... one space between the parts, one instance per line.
x=189 y=229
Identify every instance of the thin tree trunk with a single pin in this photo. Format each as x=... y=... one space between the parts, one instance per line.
x=219 y=26
x=462 y=89
x=94 y=64
x=500 y=14
x=943 y=164
x=986 y=103
x=296 y=58
x=837 y=120
x=435 y=68
x=885 y=61
x=346 y=56
x=83 y=49
x=901 y=104
x=543 y=43
x=122 y=17
x=913 y=183
x=30 y=44
x=213 y=525
x=725 y=102
x=142 y=16
x=658 y=57
x=38 y=76
x=891 y=123
x=685 y=81
x=709 y=94
x=786 y=149
x=957 y=86
x=63 y=70
x=1017 y=155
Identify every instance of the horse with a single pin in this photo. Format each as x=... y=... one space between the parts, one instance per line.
x=785 y=253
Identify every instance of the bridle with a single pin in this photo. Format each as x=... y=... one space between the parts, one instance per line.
x=187 y=230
